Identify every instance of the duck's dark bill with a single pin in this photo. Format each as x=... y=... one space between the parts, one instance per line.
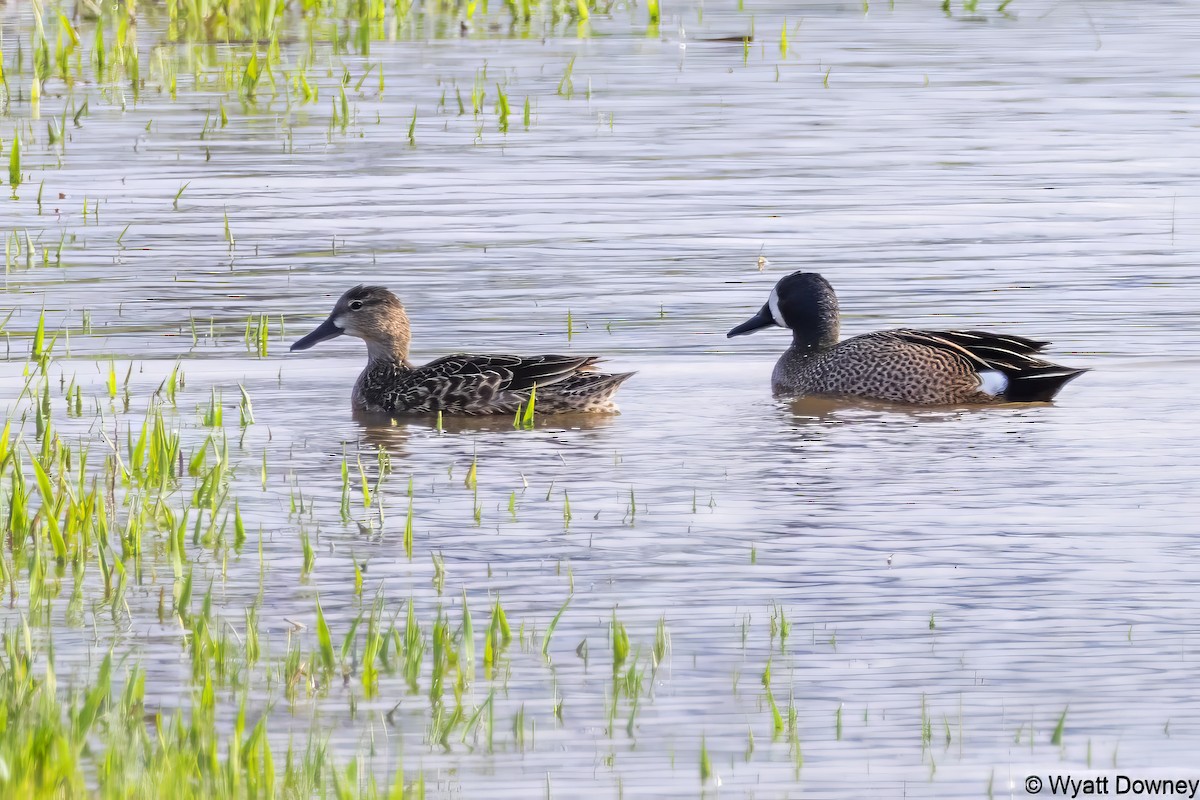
x=760 y=320
x=326 y=330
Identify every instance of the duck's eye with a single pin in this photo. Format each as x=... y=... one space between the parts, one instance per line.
x=356 y=305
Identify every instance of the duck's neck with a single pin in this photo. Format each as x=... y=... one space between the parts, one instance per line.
x=816 y=334
x=389 y=350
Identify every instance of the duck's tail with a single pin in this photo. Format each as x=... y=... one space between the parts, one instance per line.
x=1038 y=384
x=583 y=391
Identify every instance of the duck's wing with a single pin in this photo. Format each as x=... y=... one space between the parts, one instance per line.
x=984 y=350
x=470 y=383
x=983 y=342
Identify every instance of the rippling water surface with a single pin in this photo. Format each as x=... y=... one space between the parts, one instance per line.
x=930 y=589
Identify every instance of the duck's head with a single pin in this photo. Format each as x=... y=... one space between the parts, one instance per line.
x=372 y=314
x=803 y=302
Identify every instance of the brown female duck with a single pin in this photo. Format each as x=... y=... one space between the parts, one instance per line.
x=460 y=383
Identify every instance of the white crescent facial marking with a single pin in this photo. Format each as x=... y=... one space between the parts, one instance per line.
x=992 y=382
x=773 y=304
x=340 y=322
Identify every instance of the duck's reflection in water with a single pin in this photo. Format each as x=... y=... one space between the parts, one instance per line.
x=393 y=433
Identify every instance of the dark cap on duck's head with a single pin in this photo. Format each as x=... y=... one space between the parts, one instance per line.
x=370 y=313
x=803 y=302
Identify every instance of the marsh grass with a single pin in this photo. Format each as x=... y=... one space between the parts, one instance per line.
x=1056 y=738
x=14 y=163
x=524 y=419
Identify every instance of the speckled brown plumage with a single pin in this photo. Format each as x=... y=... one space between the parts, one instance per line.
x=460 y=383
x=904 y=366
x=487 y=384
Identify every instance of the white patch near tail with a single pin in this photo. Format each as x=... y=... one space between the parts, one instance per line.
x=773 y=304
x=993 y=382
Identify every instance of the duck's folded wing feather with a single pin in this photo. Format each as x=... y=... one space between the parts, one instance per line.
x=463 y=380
x=1006 y=341
x=1010 y=354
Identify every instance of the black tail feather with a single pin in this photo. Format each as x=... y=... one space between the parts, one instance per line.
x=1039 y=384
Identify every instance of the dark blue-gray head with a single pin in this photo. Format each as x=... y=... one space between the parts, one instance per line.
x=372 y=314
x=805 y=303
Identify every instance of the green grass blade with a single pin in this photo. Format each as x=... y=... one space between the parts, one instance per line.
x=550 y=630
x=14 y=163
x=324 y=640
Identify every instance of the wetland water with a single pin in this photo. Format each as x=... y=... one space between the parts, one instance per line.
x=943 y=601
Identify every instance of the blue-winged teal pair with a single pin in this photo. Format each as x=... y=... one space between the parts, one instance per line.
x=904 y=366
